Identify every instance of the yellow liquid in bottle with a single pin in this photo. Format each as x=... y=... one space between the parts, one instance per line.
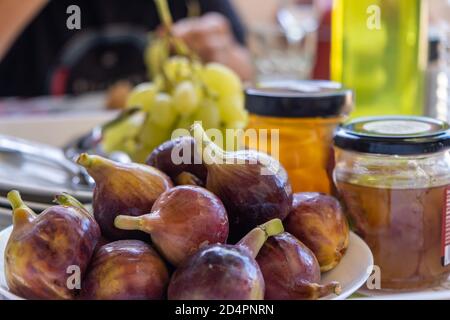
x=379 y=49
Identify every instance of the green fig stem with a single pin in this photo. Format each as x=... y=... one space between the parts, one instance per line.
x=256 y=238
x=21 y=212
x=210 y=152
x=95 y=165
x=87 y=160
x=67 y=200
x=128 y=222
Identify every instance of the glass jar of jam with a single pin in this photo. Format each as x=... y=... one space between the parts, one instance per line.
x=305 y=115
x=393 y=175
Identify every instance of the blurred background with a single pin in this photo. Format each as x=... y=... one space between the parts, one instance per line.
x=59 y=84
x=50 y=75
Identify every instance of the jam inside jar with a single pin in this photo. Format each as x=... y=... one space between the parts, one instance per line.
x=393 y=175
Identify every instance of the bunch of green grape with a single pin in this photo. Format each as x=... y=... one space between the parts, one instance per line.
x=182 y=92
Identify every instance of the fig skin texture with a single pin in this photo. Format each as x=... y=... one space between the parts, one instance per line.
x=42 y=247
x=224 y=272
x=128 y=189
x=291 y=271
x=253 y=186
x=162 y=159
x=182 y=220
x=126 y=270
x=318 y=221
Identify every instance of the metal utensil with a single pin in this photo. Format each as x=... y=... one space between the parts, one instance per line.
x=22 y=149
x=91 y=142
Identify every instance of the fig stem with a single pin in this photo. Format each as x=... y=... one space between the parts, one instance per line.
x=256 y=238
x=95 y=165
x=87 y=160
x=67 y=200
x=319 y=291
x=128 y=222
x=21 y=212
x=209 y=151
x=187 y=178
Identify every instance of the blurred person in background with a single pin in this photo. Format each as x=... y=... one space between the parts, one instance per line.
x=40 y=55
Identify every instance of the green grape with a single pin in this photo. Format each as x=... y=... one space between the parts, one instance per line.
x=155 y=54
x=163 y=113
x=208 y=114
x=221 y=80
x=143 y=96
x=186 y=98
x=232 y=110
x=149 y=137
x=177 y=69
x=115 y=137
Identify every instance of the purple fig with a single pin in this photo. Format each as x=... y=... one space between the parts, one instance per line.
x=129 y=189
x=224 y=272
x=126 y=270
x=177 y=156
x=253 y=186
x=291 y=271
x=181 y=221
x=43 y=250
x=319 y=222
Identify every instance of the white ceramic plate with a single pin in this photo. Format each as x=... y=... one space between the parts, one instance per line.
x=351 y=271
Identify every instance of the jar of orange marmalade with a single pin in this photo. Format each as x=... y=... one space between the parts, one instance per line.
x=393 y=175
x=295 y=122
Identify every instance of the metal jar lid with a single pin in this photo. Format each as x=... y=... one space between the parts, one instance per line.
x=394 y=135
x=299 y=99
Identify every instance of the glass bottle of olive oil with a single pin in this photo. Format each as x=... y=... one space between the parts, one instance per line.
x=379 y=49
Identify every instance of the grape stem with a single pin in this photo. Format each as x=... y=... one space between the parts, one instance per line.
x=167 y=21
x=164 y=14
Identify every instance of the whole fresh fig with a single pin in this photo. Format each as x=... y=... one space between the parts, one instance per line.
x=253 y=186
x=291 y=271
x=318 y=221
x=44 y=250
x=126 y=270
x=128 y=189
x=224 y=272
x=181 y=221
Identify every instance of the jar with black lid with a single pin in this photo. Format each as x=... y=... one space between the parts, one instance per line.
x=393 y=175
x=306 y=115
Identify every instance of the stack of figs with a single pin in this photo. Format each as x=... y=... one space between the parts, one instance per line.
x=195 y=222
